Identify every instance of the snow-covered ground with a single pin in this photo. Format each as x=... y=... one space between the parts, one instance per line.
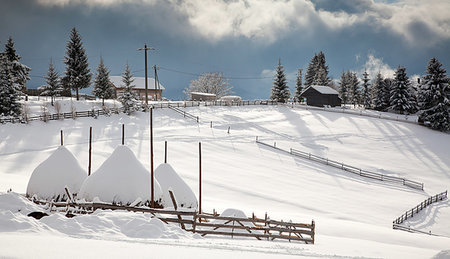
x=353 y=215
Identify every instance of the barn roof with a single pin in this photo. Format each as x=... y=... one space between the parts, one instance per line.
x=139 y=82
x=322 y=89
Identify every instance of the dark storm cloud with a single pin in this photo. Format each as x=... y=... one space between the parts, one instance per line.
x=239 y=38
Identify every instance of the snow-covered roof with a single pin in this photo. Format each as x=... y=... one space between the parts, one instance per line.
x=139 y=82
x=203 y=94
x=230 y=98
x=49 y=178
x=120 y=179
x=323 y=89
x=170 y=180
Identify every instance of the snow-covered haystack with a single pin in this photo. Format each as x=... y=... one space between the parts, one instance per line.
x=121 y=179
x=50 y=177
x=170 y=180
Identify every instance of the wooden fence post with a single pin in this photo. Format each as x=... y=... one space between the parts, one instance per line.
x=123 y=134
x=90 y=150
x=62 y=140
x=200 y=177
x=152 y=196
x=165 y=152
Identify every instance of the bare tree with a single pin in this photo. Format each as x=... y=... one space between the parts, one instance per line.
x=213 y=83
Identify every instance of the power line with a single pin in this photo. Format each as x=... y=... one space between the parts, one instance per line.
x=227 y=77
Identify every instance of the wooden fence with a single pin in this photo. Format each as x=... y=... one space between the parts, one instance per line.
x=349 y=168
x=410 y=213
x=61 y=116
x=204 y=223
x=96 y=113
x=184 y=113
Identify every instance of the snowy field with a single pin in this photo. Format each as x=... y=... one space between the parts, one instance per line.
x=353 y=215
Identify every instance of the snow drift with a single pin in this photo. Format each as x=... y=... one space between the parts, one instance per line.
x=170 y=180
x=121 y=179
x=50 y=177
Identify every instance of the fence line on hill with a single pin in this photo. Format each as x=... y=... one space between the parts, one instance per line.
x=348 y=168
x=410 y=213
x=184 y=113
x=204 y=223
x=108 y=111
x=402 y=118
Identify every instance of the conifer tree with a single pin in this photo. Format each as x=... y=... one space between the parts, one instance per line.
x=378 y=93
x=103 y=88
x=19 y=72
x=343 y=87
x=434 y=97
x=366 y=101
x=53 y=86
x=298 y=86
x=388 y=84
x=317 y=71
x=9 y=96
x=280 y=90
x=401 y=100
x=129 y=97
x=78 y=74
x=354 y=93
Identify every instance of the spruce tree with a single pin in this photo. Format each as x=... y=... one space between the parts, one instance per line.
x=388 y=84
x=366 y=100
x=53 y=86
x=9 y=96
x=343 y=88
x=311 y=71
x=317 y=71
x=354 y=93
x=103 y=88
x=378 y=93
x=434 y=97
x=129 y=97
x=400 y=100
x=280 y=90
x=19 y=72
x=298 y=86
x=77 y=75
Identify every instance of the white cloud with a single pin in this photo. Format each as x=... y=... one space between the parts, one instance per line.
x=374 y=65
x=418 y=22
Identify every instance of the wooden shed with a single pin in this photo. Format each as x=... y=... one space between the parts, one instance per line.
x=154 y=88
x=198 y=96
x=320 y=96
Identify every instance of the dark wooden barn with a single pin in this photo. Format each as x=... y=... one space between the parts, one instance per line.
x=320 y=96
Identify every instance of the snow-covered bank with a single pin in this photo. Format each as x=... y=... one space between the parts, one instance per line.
x=353 y=215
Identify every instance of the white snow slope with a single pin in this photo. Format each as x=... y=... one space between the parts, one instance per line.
x=353 y=215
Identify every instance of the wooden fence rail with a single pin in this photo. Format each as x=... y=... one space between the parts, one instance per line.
x=410 y=213
x=184 y=113
x=203 y=224
x=96 y=113
x=349 y=168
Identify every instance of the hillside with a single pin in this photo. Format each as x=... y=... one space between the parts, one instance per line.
x=353 y=215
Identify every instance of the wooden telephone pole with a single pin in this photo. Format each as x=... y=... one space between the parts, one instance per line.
x=145 y=48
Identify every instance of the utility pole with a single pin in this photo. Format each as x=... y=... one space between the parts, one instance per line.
x=146 y=79
x=157 y=82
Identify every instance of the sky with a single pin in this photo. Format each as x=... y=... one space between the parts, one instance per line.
x=243 y=39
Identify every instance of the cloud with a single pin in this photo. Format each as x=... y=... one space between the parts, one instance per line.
x=374 y=65
x=418 y=22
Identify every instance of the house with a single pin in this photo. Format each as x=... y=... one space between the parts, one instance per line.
x=319 y=95
x=154 y=88
x=197 y=96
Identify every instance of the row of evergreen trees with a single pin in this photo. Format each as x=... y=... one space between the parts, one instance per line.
x=13 y=76
x=429 y=98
